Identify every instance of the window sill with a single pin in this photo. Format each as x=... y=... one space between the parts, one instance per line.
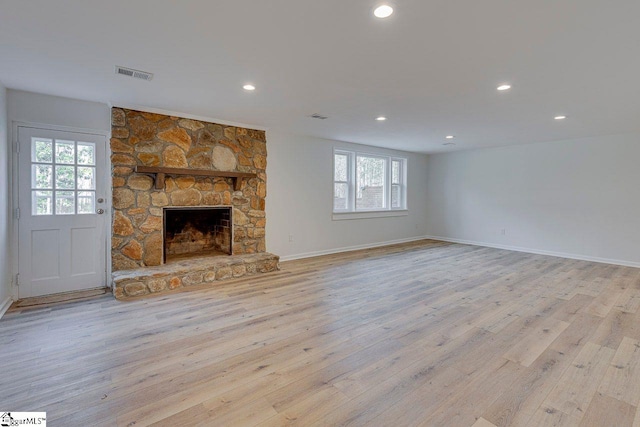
x=340 y=216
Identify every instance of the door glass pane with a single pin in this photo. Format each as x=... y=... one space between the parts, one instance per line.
x=86 y=178
x=65 y=203
x=65 y=177
x=42 y=202
x=42 y=150
x=41 y=176
x=86 y=202
x=340 y=171
x=65 y=152
x=340 y=192
x=86 y=153
x=71 y=172
x=370 y=183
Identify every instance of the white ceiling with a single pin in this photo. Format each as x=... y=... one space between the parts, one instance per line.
x=431 y=68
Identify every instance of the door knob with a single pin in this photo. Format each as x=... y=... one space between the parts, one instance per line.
x=100 y=211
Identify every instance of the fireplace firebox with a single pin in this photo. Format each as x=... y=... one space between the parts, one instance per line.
x=197 y=231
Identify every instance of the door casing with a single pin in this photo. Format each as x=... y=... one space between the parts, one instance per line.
x=14 y=185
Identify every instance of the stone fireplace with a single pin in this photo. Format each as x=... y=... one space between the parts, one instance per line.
x=196 y=231
x=188 y=203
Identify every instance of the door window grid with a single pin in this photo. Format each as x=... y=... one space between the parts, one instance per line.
x=63 y=175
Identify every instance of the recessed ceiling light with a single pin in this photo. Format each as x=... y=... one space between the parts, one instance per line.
x=449 y=136
x=381 y=118
x=504 y=87
x=560 y=117
x=383 y=11
x=249 y=87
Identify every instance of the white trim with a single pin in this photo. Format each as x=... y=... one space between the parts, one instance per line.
x=341 y=216
x=350 y=248
x=13 y=203
x=15 y=124
x=5 y=306
x=186 y=116
x=538 y=251
x=108 y=194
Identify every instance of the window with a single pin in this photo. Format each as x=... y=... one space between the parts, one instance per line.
x=63 y=177
x=396 y=183
x=368 y=182
x=341 y=182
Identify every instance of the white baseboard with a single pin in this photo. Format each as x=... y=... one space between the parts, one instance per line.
x=5 y=306
x=538 y=251
x=350 y=248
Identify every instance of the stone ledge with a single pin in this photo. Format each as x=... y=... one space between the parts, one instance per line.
x=189 y=272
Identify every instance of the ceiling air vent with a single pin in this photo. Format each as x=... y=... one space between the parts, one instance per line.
x=143 y=75
x=318 y=116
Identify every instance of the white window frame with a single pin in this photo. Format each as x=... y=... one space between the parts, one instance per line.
x=403 y=182
x=351 y=212
x=350 y=185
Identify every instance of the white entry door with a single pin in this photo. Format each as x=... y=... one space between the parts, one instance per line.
x=61 y=200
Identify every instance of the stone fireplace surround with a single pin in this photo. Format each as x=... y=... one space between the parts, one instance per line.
x=155 y=140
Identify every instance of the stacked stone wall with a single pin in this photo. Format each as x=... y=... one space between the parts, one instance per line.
x=140 y=138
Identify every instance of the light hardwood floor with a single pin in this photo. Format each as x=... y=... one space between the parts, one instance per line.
x=420 y=334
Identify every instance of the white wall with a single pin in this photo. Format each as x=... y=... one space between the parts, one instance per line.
x=300 y=197
x=54 y=110
x=5 y=225
x=578 y=198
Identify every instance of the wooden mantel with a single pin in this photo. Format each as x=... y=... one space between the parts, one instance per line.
x=159 y=174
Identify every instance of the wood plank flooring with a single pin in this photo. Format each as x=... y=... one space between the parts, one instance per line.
x=421 y=334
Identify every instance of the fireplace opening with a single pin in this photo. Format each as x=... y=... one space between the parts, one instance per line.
x=197 y=231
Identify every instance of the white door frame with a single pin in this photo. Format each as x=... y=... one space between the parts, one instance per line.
x=13 y=202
